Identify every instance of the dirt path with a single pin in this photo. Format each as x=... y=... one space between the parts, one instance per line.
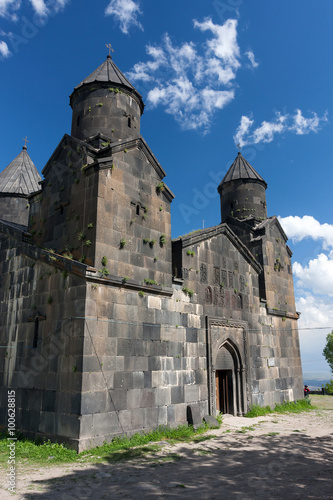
x=287 y=456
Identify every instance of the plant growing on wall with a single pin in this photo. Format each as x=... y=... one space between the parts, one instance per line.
x=191 y=253
x=150 y=282
x=162 y=239
x=122 y=243
x=104 y=261
x=160 y=187
x=188 y=292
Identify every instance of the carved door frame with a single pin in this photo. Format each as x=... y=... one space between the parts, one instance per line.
x=233 y=335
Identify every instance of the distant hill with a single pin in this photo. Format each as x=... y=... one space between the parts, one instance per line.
x=315 y=383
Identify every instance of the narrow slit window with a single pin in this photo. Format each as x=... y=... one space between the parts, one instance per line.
x=36 y=333
x=129 y=122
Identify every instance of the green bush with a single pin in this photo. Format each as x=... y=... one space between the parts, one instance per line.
x=329 y=387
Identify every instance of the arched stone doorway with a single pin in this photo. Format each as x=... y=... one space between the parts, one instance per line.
x=228 y=382
x=224 y=381
x=227 y=366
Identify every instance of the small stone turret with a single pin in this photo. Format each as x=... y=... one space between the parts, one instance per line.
x=17 y=182
x=106 y=103
x=242 y=192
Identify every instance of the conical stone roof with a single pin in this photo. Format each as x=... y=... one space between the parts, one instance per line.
x=241 y=169
x=108 y=72
x=21 y=176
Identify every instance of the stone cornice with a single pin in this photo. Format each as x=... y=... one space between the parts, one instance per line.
x=283 y=314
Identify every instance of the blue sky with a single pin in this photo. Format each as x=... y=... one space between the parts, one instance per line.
x=213 y=74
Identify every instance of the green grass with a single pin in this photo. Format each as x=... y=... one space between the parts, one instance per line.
x=286 y=407
x=245 y=429
x=121 y=447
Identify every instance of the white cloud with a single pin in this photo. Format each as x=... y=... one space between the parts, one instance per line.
x=315 y=312
x=299 y=228
x=313 y=288
x=125 y=12
x=192 y=82
x=243 y=128
x=317 y=315
x=296 y=123
x=224 y=44
x=40 y=7
x=317 y=275
x=251 y=57
x=4 y=50
x=267 y=130
x=10 y=8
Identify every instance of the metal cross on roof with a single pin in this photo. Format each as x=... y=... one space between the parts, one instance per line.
x=25 y=141
x=109 y=46
x=239 y=146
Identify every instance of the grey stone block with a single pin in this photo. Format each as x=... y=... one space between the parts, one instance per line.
x=151 y=417
x=86 y=424
x=147 y=398
x=125 y=420
x=49 y=399
x=162 y=417
x=134 y=398
x=211 y=421
x=193 y=414
x=191 y=335
x=191 y=393
x=171 y=414
x=138 y=419
x=151 y=332
x=104 y=424
x=122 y=380
x=68 y=425
x=93 y=402
x=147 y=379
x=116 y=400
x=163 y=396
x=177 y=395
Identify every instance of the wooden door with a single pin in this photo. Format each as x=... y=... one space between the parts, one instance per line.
x=223 y=380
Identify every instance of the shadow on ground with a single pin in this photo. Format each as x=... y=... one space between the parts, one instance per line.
x=229 y=466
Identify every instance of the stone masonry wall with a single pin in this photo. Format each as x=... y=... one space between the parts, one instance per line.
x=14 y=209
x=40 y=292
x=144 y=362
x=227 y=285
x=134 y=227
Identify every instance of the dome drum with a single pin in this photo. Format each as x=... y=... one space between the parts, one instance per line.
x=107 y=110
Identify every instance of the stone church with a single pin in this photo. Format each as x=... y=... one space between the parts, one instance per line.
x=108 y=326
